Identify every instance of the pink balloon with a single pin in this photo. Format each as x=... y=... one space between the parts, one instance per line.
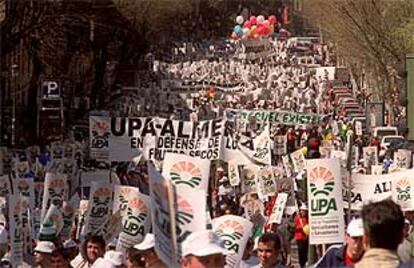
x=253 y=20
x=272 y=19
x=247 y=24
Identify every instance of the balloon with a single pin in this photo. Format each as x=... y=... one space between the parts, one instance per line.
x=234 y=36
x=245 y=31
x=266 y=23
x=260 y=19
x=253 y=30
x=247 y=24
x=271 y=29
x=253 y=20
x=240 y=20
x=272 y=19
x=237 y=29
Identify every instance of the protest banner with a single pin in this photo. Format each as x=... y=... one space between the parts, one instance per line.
x=56 y=151
x=69 y=168
x=249 y=179
x=156 y=136
x=99 y=132
x=279 y=117
x=403 y=190
x=163 y=216
x=112 y=227
x=376 y=169
x=186 y=171
x=190 y=214
x=230 y=149
x=278 y=208
x=370 y=156
x=53 y=215
x=287 y=165
x=266 y=183
x=402 y=159
x=280 y=143
x=6 y=158
x=69 y=150
x=21 y=168
x=235 y=231
x=122 y=195
x=5 y=186
x=234 y=175
x=98 y=176
x=15 y=230
x=99 y=208
x=55 y=191
x=366 y=188
x=68 y=215
x=298 y=160
x=257 y=149
x=254 y=49
x=136 y=221
x=326 y=219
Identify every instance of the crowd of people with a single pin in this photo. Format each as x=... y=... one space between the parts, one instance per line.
x=380 y=235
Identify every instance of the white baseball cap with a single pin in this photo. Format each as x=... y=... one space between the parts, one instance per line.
x=147 y=243
x=203 y=243
x=45 y=247
x=102 y=263
x=116 y=257
x=303 y=207
x=355 y=228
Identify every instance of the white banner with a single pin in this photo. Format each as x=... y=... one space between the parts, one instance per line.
x=249 y=179
x=156 y=136
x=99 y=132
x=278 y=208
x=298 y=161
x=258 y=148
x=69 y=210
x=235 y=231
x=162 y=215
x=16 y=230
x=403 y=190
x=136 y=222
x=186 y=171
x=55 y=192
x=234 y=175
x=370 y=156
x=99 y=208
x=280 y=147
x=402 y=159
x=266 y=183
x=54 y=215
x=326 y=219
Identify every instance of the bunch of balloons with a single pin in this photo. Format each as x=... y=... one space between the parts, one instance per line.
x=253 y=28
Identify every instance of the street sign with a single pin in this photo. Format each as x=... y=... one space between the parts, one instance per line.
x=50 y=89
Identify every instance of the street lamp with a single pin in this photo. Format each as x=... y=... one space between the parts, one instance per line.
x=14 y=76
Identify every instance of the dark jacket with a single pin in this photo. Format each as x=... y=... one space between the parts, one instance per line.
x=334 y=257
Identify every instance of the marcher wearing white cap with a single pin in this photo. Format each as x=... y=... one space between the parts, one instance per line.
x=348 y=254
x=43 y=253
x=117 y=258
x=203 y=249
x=149 y=256
x=102 y=263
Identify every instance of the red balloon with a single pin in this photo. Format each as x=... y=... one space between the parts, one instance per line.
x=272 y=19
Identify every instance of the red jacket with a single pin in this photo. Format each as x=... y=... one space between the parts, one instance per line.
x=299 y=234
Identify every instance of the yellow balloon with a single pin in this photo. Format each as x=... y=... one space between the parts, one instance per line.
x=306 y=229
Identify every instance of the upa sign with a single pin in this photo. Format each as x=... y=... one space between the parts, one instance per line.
x=50 y=89
x=326 y=219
